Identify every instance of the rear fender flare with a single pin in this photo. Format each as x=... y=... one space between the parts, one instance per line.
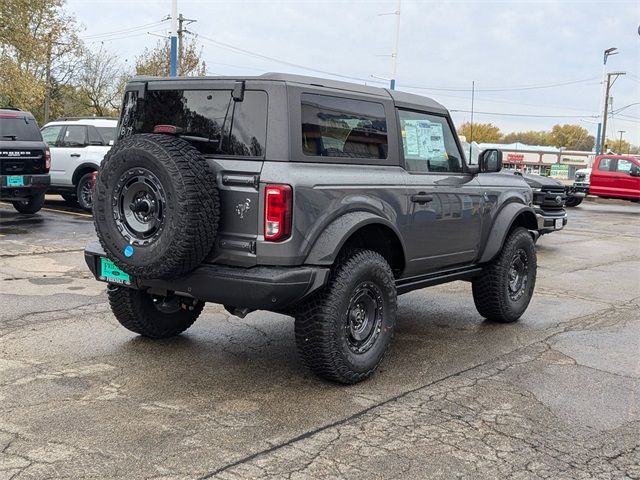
x=501 y=226
x=328 y=245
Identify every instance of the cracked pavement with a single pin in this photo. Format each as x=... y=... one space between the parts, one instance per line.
x=555 y=395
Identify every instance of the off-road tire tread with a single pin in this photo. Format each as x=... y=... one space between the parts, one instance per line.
x=314 y=328
x=573 y=201
x=488 y=288
x=194 y=233
x=128 y=307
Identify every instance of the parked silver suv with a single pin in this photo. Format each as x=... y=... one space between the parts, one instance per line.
x=77 y=146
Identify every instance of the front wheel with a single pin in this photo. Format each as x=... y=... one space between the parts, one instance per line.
x=153 y=316
x=84 y=192
x=343 y=333
x=29 y=206
x=504 y=289
x=573 y=201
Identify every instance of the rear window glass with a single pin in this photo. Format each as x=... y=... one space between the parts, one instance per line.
x=19 y=129
x=208 y=119
x=341 y=127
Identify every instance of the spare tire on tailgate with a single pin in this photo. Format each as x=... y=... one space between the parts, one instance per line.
x=155 y=206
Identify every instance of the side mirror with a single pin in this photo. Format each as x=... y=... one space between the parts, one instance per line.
x=490 y=161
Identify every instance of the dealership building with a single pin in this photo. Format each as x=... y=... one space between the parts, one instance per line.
x=550 y=161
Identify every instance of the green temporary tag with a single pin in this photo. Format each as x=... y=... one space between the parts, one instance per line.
x=109 y=272
x=15 y=181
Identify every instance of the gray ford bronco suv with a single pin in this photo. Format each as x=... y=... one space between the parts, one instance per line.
x=318 y=199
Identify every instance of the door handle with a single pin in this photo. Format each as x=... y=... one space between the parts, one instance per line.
x=77 y=155
x=421 y=198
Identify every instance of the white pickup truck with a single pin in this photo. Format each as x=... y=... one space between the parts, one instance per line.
x=77 y=146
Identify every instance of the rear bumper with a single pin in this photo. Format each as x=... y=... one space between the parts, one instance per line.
x=256 y=288
x=32 y=185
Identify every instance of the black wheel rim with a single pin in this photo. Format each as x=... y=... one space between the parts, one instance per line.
x=518 y=275
x=364 y=317
x=86 y=190
x=139 y=206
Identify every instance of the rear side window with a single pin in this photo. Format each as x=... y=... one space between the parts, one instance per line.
x=340 y=127
x=606 y=165
x=74 y=136
x=210 y=120
x=94 y=136
x=19 y=129
x=108 y=134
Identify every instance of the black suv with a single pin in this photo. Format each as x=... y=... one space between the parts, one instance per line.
x=24 y=161
x=318 y=199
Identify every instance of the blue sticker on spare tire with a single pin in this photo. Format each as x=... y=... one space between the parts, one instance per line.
x=128 y=251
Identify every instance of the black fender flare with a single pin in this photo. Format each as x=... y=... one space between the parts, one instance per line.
x=326 y=248
x=502 y=225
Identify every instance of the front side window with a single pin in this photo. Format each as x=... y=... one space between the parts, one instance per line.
x=624 y=166
x=341 y=127
x=108 y=134
x=94 y=136
x=51 y=134
x=74 y=136
x=428 y=143
x=210 y=120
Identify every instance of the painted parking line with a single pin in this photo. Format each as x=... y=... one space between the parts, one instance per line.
x=67 y=212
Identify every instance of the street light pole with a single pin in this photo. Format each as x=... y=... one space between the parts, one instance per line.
x=394 y=55
x=607 y=53
x=606 y=106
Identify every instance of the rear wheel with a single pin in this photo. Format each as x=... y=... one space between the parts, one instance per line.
x=343 y=333
x=573 y=201
x=84 y=192
x=153 y=316
x=504 y=289
x=30 y=205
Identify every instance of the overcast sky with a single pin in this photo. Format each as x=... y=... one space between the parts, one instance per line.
x=505 y=46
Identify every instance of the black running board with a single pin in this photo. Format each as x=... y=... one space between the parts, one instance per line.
x=404 y=285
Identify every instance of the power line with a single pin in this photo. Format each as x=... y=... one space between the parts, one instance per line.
x=122 y=31
x=503 y=89
x=133 y=35
x=525 y=114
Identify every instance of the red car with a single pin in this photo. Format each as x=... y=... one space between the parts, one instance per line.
x=612 y=176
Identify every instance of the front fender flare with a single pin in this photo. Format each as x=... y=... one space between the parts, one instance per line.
x=328 y=245
x=501 y=227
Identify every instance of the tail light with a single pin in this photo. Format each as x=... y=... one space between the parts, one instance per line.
x=171 y=129
x=277 y=212
x=47 y=160
x=94 y=178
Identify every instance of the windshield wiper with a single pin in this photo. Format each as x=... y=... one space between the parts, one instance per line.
x=12 y=137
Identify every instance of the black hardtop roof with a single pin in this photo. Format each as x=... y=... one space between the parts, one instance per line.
x=402 y=99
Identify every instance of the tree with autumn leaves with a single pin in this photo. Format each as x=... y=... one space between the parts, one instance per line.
x=48 y=70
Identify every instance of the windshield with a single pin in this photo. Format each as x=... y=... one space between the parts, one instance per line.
x=19 y=129
x=210 y=120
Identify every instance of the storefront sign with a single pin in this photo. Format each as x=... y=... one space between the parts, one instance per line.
x=575 y=160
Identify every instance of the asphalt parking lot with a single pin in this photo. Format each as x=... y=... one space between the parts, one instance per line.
x=556 y=395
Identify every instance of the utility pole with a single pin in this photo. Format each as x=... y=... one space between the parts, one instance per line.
x=620 y=144
x=607 y=53
x=47 y=86
x=394 y=55
x=606 y=106
x=181 y=32
x=173 y=52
